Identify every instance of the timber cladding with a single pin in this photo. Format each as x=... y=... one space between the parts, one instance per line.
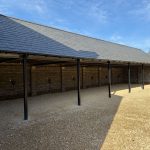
x=57 y=78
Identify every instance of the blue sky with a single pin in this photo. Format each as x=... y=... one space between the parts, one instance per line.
x=121 y=21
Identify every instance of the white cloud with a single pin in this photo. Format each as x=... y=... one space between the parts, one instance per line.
x=117 y=39
x=93 y=10
x=3 y=10
x=98 y=12
x=142 y=11
x=87 y=10
x=143 y=44
x=34 y=6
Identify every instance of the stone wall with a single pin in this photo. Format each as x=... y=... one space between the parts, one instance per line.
x=11 y=81
x=146 y=75
x=45 y=79
x=90 y=77
x=54 y=78
x=119 y=75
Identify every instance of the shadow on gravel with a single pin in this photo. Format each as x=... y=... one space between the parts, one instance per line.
x=60 y=124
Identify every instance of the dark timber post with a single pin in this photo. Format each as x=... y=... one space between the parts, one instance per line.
x=78 y=80
x=25 y=86
x=109 y=79
x=142 y=73
x=129 y=78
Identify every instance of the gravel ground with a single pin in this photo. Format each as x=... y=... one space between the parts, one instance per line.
x=57 y=123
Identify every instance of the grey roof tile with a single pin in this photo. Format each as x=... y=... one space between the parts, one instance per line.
x=22 y=36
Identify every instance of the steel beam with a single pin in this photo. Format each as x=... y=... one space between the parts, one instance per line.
x=25 y=87
x=78 y=81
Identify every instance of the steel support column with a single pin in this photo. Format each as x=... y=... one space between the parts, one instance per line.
x=30 y=80
x=78 y=81
x=61 y=79
x=129 y=77
x=82 y=77
x=98 y=75
x=109 y=79
x=142 y=73
x=25 y=87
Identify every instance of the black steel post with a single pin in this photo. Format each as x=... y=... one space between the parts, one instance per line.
x=129 y=78
x=98 y=75
x=142 y=73
x=78 y=81
x=30 y=80
x=61 y=79
x=25 y=86
x=82 y=78
x=109 y=79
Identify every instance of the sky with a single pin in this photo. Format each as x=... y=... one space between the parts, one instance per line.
x=125 y=22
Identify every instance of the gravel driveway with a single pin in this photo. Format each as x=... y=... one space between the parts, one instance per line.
x=57 y=123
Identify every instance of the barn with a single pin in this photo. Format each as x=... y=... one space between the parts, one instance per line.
x=37 y=59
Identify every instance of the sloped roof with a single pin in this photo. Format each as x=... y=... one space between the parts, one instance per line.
x=26 y=37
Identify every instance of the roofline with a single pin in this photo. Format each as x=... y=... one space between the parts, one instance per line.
x=72 y=32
